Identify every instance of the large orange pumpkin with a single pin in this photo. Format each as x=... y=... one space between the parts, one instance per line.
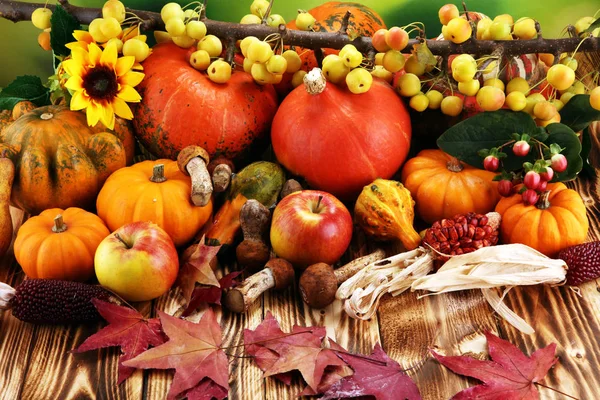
x=59 y=160
x=549 y=226
x=180 y=107
x=339 y=141
x=60 y=244
x=148 y=192
x=442 y=186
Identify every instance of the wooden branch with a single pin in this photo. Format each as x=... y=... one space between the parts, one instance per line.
x=16 y=11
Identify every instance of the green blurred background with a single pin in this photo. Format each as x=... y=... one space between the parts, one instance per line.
x=20 y=53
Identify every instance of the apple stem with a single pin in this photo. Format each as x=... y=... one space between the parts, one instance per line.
x=59 y=224
x=122 y=241
x=317 y=207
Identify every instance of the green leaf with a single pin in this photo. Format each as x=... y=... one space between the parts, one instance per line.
x=485 y=131
x=594 y=25
x=578 y=113
x=564 y=136
x=424 y=55
x=26 y=87
x=63 y=24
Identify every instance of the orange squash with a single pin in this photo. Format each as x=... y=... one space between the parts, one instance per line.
x=364 y=21
x=442 y=186
x=60 y=244
x=59 y=160
x=154 y=191
x=557 y=221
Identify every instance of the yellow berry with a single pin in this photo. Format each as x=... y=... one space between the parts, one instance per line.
x=516 y=101
x=494 y=82
x=171 y=10
x=451 y=105
x=458 y=30
x=211 y=44
x=293 y=61
x=183 y=41
x=200 y=59
x=114 y=9
x=41 y=18
x=359 y=80
x=298 y=78
x=408 y=85
x=469 y=88
x=517 y=84
x=195 y=29
x=382 y=73
x=250 y=19
x=435 y=99
x=305 y=21
x=419 y=102
x=219 y=71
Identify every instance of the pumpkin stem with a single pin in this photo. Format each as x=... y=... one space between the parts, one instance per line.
x=158 y=173
x=314 y=81
x=543 y=202
x=59 y=224
x=454 y=165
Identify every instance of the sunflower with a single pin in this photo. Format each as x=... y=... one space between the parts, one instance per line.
x=102 y=83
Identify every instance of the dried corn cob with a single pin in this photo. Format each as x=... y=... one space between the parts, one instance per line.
x=48 y=301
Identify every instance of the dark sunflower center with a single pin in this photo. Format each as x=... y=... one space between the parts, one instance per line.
x=101 y=83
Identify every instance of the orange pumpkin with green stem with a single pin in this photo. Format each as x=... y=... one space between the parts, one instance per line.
x=60 y=244
x=59 y=160
x=154 y=191
x=558 y=220
x=443 y=187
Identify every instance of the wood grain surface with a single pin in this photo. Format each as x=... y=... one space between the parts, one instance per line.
x=35 y=362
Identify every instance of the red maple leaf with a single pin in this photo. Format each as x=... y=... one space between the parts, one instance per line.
x=210 y=294
x=301 y=350
x=511 y=375
x=193 y=350
x=207 y=389
x=198 y=268
x=376 y=375
x=126 y=328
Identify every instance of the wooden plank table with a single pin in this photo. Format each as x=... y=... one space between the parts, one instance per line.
x=35 y=362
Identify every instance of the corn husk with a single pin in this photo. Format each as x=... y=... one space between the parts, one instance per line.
x=393 y=275
x=494 y=267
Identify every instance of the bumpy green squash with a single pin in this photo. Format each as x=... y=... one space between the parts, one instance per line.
x=59 y=161
x=260 y=181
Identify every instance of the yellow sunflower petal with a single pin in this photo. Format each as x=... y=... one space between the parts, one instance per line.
x=131 y=78
x=95 y=54
x=73 y=68
x=83 y=36
x=79 y=101
x=76 y=45
x=121 y=108
x=107 y=116
x=124 y=64
x=137 y=66
x=80 y=55
x=109 y=55
x=93 y=113
x=74 y=83
x=129 y=94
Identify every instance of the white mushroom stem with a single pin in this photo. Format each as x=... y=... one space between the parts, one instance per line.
x=240 y=298
x=221 y=177
x=201 y=181
x=392 y=275
x=6 y=295
x=347 y=271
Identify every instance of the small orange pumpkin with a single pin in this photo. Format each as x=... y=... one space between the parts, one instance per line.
x=557 y=221
x=443 y=187
x=154 y=191
x=60 y=244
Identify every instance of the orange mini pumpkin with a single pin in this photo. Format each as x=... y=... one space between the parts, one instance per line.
x=154 y=191
x=557 y=221
x=443 y=187
x=60 y=244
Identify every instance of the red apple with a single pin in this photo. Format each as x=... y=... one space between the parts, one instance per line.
x=138 y=261
x=310 y=226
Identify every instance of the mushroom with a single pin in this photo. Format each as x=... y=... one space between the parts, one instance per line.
x=221 y=170
x=320 y=281
x=277 y=274
x=290 y=186
x=192 y=161
x=253 y=252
